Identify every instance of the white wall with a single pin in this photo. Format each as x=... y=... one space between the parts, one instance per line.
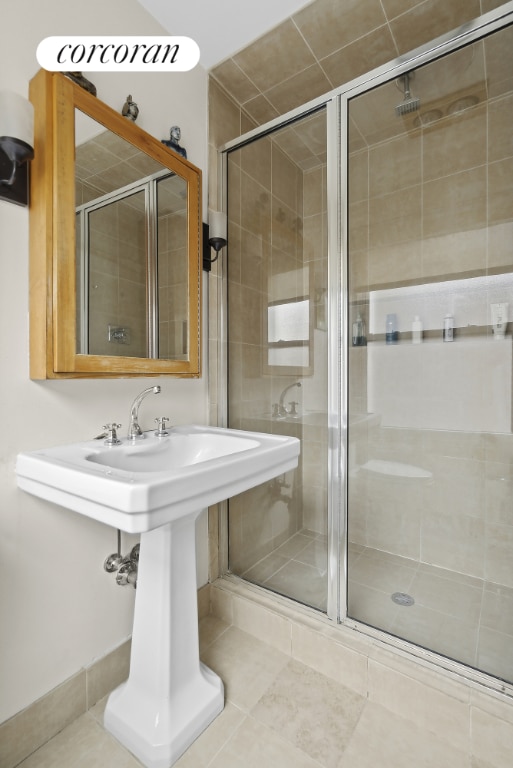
x=58 y=609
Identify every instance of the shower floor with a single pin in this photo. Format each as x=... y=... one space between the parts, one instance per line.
x=296 y=569
x=460 y=617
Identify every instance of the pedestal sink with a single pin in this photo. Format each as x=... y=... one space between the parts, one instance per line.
x=158 y=486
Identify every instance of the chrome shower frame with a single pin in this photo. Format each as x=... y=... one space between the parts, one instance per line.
x=336 y=104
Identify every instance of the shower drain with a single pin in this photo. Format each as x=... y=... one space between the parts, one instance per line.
x=401 y=598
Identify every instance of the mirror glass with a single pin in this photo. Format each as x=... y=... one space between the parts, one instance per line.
x=132 y=254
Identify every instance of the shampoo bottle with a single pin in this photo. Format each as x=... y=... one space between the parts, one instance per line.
x=448 y=332
x=499 y=320
x=391 y=332
x=416 y=330
x=359 y=339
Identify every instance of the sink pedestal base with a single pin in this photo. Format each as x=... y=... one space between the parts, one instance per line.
x=170 y=697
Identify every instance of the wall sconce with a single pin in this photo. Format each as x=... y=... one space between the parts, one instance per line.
x=216 y=232
x=16 y=146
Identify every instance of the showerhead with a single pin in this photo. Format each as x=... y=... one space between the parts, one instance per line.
x=410 y=103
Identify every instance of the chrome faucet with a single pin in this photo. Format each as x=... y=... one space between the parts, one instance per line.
x=134 y=430
x=281 y=411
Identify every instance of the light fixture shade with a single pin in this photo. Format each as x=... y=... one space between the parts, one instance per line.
x=217 y=224
x=16 y=118
x=16 y=146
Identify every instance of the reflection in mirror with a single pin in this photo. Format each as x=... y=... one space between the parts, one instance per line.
x=113 y=273
x=172 y=268
x=132 y=255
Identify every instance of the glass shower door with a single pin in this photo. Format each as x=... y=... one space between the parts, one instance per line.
x=430 y=273
x=277 y=352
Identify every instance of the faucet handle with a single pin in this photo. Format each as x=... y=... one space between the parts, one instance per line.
x=112 y=437
x=161 y=426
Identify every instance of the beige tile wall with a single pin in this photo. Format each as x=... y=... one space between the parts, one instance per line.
x=328 y=43
x=427 y=190
x=458 y=520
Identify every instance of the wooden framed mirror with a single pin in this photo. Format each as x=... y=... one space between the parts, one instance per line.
x=115 y=243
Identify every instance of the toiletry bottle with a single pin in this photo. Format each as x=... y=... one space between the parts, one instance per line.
x=416 y=330
x=391 y=332
x=448 y=332
x=359 y=339
x=499 y=320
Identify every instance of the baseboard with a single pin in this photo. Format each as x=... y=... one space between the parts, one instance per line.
x=29 y=729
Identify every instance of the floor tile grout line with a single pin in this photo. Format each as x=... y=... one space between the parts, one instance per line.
x=231 y=734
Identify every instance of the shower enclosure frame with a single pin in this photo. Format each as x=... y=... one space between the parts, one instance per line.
x=336 y=104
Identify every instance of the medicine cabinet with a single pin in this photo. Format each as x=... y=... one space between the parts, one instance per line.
x=115 y=243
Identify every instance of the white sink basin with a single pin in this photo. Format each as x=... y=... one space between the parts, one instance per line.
x=177 y=451
x=140 y=486
x=158 y=486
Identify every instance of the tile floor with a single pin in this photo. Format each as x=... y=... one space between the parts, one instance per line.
x=278 y=712
x=458 y=616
